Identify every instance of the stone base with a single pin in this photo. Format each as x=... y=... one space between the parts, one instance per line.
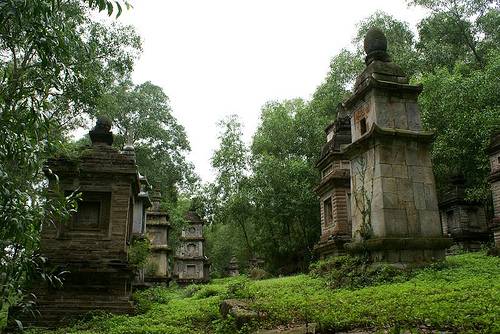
x=495 y=228
x=187 y=281
x=330 y=248
x=81 y=293
x=402 y=251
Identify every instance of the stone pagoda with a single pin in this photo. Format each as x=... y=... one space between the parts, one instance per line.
x=463 y=221
x=494 y=152
x=92 y=246
x=191 y=265
x=395 y=216
x=233 y=268
x=158 y=227
x=335 y=188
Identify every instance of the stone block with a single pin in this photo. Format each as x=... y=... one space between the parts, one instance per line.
x=385 y=154
x=412 y=256
x=416 y=173
x=413 y=221
x=393 y=256
x=378 y=222
x=400 y=171
x=411 y=154
x=430 y=225
x=389 y=184
x=413 y=115
x=428 y=175
x=390 y=200
x=383 y=170
x=401 y=120
x=430 y=196
x=395 y=222
x=423 y=155
x=405 y=189
x=419 y=195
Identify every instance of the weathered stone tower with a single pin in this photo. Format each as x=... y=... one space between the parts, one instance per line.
x=93 y=245
x=463 y=221
x=395 y=216
x=494 y=151
x=191 y=265
x=233 y=269
x=334 y=189
x=157 y=230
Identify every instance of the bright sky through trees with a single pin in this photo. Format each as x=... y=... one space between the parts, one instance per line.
x=215 y=58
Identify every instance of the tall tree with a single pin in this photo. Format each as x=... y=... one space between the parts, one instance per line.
x=144 y=119
x=227 y=201
x=284 y=150
x=458 y=30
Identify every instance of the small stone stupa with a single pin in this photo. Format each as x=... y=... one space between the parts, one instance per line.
x=463 y=221
x=191 y=265
x=334 y=188
x=395 y=216
x=158 y=228
x=233 y=269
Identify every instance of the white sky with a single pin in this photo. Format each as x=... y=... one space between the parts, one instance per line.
x=214 y=58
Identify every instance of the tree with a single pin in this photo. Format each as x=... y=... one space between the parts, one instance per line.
x=285 y=148
x=463 y=107
x=143 y=118
x=457 y=31
x=54 y=60
x=227 y=202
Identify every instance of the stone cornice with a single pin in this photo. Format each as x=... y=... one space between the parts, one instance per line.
x=371 y=82
x=379 y=132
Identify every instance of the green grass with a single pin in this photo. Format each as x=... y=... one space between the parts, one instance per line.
x=461 y=296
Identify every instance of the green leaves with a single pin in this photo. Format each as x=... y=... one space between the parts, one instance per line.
x=463 y=107
x=108 y=5
x=143 y=118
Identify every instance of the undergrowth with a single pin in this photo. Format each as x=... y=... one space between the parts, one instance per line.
x=461 y=295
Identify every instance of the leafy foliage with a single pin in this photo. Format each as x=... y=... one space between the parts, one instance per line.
x=463 y=107
x=356 y=272
x=143 y=118
x=139 y=251
x=457 y=31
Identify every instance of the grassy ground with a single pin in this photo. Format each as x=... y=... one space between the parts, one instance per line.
x=461 y=296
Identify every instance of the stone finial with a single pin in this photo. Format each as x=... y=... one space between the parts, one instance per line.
x=101 y=133
x=375 y=45
x=156 y=199
x=129 y=151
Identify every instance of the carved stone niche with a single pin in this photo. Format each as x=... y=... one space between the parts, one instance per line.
x=91 y=218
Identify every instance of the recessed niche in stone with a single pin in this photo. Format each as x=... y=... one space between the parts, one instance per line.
x=92 y=214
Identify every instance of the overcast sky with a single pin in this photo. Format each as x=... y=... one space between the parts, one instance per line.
x=218 y=57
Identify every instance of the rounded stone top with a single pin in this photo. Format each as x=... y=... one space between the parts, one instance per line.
x=375 y=40
x=103 y=123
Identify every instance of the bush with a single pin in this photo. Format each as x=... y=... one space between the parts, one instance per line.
x=357 y=272
x=238 y=289
x=258 y=274
x=139 y=251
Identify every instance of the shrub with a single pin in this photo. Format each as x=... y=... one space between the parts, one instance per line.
x=139 y=251
x=357 y=272
x=238 y=289
x=258 y=274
